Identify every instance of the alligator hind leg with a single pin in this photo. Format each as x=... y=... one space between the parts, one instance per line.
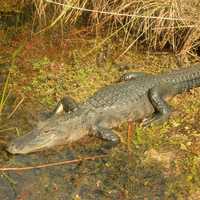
x=133 y=75
x=157 y=96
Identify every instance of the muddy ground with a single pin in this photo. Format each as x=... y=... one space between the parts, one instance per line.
x=163 y=161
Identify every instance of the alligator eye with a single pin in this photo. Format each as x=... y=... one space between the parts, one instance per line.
x=49 y=130
x=11 y=145
x=46 y=131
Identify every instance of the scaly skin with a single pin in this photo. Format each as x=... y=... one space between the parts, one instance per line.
x=136 y=97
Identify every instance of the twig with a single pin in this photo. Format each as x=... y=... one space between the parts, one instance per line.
x=7 y=129
x=15 y=109
x=51 y=164
x=130 y=134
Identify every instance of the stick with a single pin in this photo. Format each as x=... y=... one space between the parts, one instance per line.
x=51 y=164
x=130 y=134
x=15 y=109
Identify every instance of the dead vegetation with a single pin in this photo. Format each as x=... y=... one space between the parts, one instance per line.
x=169 y=25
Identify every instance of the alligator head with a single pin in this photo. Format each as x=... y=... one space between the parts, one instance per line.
x=57 y=130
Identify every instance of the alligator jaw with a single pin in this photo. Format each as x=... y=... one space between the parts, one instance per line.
x=52 y=132
x=29 y=143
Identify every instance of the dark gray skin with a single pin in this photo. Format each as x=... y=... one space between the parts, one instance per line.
x=138 y=96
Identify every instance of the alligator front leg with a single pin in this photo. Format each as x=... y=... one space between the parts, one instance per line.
x=157 y=96
x=106 y=134
x=133 y=75
x=66 y=104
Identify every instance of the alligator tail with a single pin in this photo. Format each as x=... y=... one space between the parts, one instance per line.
x=184 y=79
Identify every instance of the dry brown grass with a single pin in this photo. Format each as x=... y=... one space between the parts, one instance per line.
x=157 y=24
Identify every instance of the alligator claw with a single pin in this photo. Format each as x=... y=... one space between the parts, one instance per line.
x=146 y=123
x=156 y=119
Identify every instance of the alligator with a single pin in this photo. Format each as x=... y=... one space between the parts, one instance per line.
x=137 y=96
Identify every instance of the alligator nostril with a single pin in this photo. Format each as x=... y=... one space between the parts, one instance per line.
x=11 y=145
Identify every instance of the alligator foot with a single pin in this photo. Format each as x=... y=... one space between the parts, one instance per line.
x=156 y=119
x=106 y=134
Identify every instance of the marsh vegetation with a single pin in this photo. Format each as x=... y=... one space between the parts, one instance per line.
x=75 y=50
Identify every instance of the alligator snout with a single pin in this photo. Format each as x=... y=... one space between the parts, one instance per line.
x=31 y=142
x=11 y=148
x=21 y=144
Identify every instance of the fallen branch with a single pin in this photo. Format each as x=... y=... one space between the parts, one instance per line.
x=51 y=164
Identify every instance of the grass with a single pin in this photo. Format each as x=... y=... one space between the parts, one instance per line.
x=150 y=25
x=5 y=94
x=150 y=170
x=157 y=25
x=5 y=90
